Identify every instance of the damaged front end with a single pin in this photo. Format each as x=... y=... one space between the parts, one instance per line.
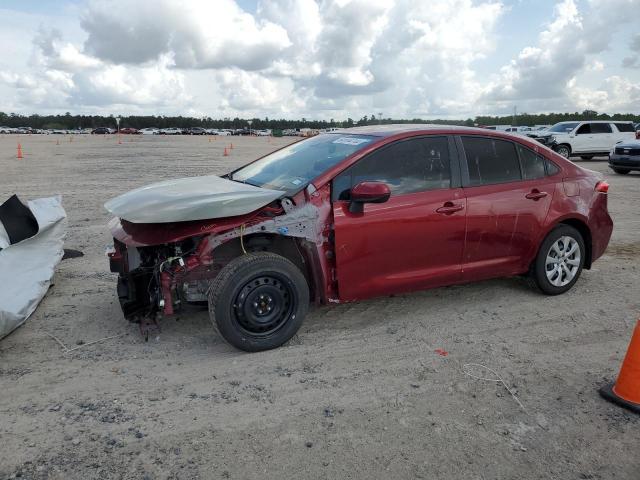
x=164 y=266
x=159 y=278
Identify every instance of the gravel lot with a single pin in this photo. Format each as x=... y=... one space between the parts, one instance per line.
x=360 y=392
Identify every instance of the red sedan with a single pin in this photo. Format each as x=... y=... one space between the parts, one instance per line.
x=129 y=131
x=354 y=214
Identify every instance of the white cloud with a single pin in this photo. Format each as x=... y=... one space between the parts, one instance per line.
x=615 y=94
x=548 y=70
x=321 y=58
x=198 y=33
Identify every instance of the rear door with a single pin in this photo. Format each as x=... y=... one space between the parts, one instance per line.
x=603 y=137
x=508 y=197
x=415 y=239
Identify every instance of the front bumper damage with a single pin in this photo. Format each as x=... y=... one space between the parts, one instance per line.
x=158 y=279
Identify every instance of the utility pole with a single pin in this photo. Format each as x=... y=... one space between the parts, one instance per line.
x=515 y=113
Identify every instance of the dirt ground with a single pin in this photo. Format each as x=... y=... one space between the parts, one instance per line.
x=360 y=392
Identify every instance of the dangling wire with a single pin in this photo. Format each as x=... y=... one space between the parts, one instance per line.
x=242 y=239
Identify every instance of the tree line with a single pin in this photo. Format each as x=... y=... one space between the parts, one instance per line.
x=70 y=122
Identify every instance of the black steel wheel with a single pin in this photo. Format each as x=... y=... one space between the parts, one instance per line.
x=264 y=304
x=258 y=301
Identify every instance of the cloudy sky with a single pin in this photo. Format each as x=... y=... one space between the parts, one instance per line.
x=319 y=58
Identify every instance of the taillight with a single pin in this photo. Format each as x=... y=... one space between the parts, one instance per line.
x=602 y=187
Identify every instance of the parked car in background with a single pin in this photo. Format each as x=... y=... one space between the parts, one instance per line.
x=148 y=131
x=586 y=139
x=129 y=131
x=625 y=157
x=359 y=213
x=170 y=131
x=197 y=131
x=518 y=129
x=215 y=131
x=101 y=131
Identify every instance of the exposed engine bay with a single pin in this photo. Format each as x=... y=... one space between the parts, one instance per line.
x=163 y=278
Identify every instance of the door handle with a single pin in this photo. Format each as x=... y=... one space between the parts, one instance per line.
x=536 y=194
x=449 y=207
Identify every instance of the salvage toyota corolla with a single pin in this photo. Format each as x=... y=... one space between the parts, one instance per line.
x=354 y=214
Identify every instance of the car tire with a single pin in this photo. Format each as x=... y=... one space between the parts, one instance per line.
x=563 y=150
x=621 y=171
x=555 y=269
x=586 y=157
x=264 y=277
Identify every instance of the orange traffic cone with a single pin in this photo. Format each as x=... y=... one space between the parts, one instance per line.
x=209 y=139
x=71 y=139
x=226 y=152
x=626 y=390
x=19 y=151
x=57 y=141
x=231 y=147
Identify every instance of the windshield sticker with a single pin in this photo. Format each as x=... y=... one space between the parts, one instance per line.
x=297 y=181
x=351 y=140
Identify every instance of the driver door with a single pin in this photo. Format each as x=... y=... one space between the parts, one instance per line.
x=414 y=240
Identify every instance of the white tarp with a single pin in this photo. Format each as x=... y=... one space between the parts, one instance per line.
x=26 y=267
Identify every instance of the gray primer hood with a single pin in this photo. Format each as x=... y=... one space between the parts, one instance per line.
x=186 y=199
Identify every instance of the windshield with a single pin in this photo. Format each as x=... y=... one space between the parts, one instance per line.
x=293 y=167
x=563 y=127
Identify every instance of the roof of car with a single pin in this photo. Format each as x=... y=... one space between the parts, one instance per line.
x=388 y=130
x=597 y=121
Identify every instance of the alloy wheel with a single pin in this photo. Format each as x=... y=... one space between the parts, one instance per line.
x=564 y=151
x=563 y=261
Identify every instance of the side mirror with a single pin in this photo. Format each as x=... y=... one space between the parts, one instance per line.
x=368 y=192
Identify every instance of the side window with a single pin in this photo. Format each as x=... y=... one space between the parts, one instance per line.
x=600 y=128
x=532 y=164
x=584 y=129
x=552 y=168
x=491 y=161
x=625 y=127
x=407 y=166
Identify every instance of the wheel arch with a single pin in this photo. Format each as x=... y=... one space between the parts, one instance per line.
x=585 y=231
x=565 y=144
x=293 y=249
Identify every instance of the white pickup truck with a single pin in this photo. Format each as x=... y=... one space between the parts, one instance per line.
x=586 y=139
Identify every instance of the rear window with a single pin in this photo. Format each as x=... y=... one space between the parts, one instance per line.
x=624 y=127
x=552 y=168
x=532 y=164
x=491 y=161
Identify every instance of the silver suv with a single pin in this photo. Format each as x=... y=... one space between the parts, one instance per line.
x=586 y=139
